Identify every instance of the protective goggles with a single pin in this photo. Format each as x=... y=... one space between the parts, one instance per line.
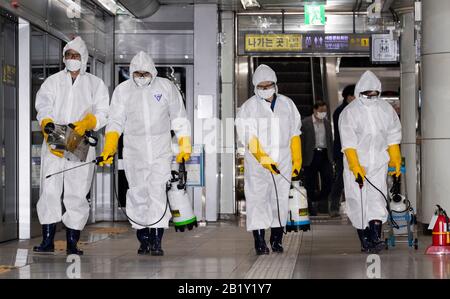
x=72 y=55
x=142 y=75
x=265 y=87
x=371 y=93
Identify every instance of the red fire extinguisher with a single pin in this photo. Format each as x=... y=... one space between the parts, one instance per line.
x=441 y=234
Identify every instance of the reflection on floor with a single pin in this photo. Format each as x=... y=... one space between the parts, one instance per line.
x=222 y=250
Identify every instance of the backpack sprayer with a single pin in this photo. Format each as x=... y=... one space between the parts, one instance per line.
x=298 y=208
x=402 y=219
x=298 y=205
x=180 y=207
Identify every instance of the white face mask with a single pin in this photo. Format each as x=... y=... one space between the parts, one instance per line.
x=321 y=115
x=142 y=81
x=265 y=94
x=73 y=65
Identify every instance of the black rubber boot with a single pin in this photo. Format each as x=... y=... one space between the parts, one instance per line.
x=312 y=208
x=156 y=235
x=375 y=227
x=276 y=239
x=364 y=238
x=260 y=244
x=48 y=236
x=73 y=236
x=143 y=236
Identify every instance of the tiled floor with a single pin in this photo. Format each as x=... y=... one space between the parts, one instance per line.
x=222 y=250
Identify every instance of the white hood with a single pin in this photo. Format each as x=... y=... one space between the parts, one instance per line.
x=142 y=62
x=264 y=73
x=78 y=45
x=368 y=81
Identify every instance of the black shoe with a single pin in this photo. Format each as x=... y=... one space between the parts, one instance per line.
x=335 y=206
x=143 y=236
x=156 y=235
x=334 y=214
x=73 y=236
x=366 y=245
x=378 y=244
x=48 y=236
x=312 y=208
x=323 y=207
x=312 y=211
x=260 y=243
x=276 y=238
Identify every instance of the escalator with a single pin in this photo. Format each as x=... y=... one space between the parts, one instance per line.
x=299 y=78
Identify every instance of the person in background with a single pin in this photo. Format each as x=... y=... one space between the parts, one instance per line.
x=338 y=186
x=317 y=157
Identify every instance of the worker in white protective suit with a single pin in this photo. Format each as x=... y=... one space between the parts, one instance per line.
x=145 y=109
x=370 y=133
x=69 y=96
x=268 y=124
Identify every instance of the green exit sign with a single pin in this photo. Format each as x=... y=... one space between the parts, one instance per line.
x=314 y=14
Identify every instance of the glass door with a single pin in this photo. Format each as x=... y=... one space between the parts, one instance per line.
x=46 y=60
x=8 y=127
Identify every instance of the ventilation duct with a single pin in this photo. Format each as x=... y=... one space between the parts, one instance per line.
x=141 y=8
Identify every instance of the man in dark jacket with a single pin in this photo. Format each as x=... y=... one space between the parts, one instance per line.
x=317 y=157
x=338 y=185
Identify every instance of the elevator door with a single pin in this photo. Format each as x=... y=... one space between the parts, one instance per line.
x=8 y=128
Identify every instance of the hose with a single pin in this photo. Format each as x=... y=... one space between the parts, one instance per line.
x=122 y=209
x=278 y=202
x=394 y=224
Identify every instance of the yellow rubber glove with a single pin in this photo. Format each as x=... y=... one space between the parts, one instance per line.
x=353 y=163
x=296 y=153
x=185 y=147
x=110 y=148
x=395 y=159
x=87 y=123
x=44 y=122
x=264 y=159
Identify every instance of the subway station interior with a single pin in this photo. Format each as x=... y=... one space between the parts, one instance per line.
x=208 y=53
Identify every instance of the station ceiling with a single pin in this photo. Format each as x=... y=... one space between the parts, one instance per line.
x=295 y=5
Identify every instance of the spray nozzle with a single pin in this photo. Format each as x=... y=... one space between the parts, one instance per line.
x=395 y=190
x=274 y=168
x=360 y=181
x=100 y=159
x=182 y=175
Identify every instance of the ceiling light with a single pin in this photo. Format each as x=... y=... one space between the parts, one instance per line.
x=112 y=6
x=250 y=3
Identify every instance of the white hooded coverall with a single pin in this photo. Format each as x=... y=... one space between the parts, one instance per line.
x=370 y=128
x=274 y=131
x=145 y=115
x=66 y=103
